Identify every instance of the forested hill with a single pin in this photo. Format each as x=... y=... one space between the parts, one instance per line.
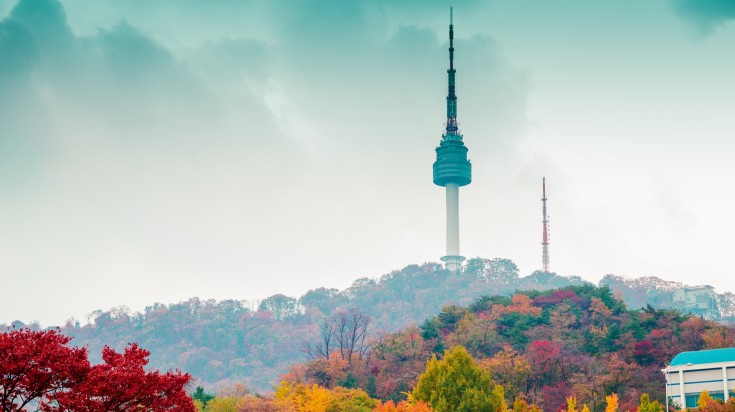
x=229 y=341
x=541 y=346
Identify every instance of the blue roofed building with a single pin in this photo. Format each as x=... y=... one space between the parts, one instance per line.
x=691 y=373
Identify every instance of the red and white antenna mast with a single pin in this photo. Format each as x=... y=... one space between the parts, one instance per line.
x=545 y=241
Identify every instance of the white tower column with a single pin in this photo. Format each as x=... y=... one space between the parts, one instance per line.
x=682 y=394
x=453 y=258
x=724 y=382
x=452 y=219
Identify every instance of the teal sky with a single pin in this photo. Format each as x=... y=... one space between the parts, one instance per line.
x=151 y=151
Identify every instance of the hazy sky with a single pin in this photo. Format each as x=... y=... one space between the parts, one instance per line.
x=152 y=151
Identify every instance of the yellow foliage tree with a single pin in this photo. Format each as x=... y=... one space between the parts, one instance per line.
x=704 y=400
x=456 y=384
x=612 y=403
x=519 y=405
x=228 y=404
x=315 y=398
x=645 y=405
x=350 y=399
x=303 y=398
x=499 y=393
x=389 y=406
x=403 y=406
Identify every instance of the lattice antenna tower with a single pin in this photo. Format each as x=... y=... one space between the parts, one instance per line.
x=545 y=238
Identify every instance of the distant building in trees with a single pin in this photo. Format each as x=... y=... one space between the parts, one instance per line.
x=691 y=373
x=698 y=300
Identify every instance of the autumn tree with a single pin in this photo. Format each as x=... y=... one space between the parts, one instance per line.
x=121 y=383
x=39 y=369
x=502 y=269
x=351 y=328
x=324 y=344
x=223 y=404
x=571 y=404
x=323 y=299
x=402 y=406
x=493 y=270
x=351 y=399
x=456 y=384
x=704 y=400
x=315 y=398
x=645 y=405
x=719 y=337
x=252 y=403
x=200 y=395
x=397 y=360
x=511 y=370
x=611 y=403
x=544 y=359
x=346 y=332
x=281 y=306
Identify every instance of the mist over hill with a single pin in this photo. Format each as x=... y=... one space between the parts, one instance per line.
x=222 y=342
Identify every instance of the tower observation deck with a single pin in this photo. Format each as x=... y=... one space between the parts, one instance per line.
x=451 y=168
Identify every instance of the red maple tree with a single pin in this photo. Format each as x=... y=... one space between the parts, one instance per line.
x=39 y=371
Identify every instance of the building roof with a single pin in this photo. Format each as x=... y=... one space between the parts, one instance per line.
x=704 y=356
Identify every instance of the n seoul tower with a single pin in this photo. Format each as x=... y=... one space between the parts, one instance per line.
x=452 y=169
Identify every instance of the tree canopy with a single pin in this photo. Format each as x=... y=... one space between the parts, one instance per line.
x=456 y=384
x=40 y=371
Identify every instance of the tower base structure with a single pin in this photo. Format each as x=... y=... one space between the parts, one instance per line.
x=453 y=263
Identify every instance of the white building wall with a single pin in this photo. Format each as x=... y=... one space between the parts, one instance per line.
x=698 y=378
x=731 y=372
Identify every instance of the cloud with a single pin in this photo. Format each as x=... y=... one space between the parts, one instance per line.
x=161 y=149
x=26 y=132
x=706 y=15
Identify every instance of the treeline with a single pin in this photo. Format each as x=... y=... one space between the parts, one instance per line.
x=223 y=342
x=540 y=346
x=39 y=370
x=452 y=382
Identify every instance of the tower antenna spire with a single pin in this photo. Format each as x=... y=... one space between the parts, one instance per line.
x=545 y=239
x=452 y=131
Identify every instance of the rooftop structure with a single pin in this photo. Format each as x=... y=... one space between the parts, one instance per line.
x=702 y=357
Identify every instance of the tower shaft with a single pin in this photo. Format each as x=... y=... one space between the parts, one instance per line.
x=545 y=238
x=453 y=259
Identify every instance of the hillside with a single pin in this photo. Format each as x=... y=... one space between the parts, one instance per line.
x=224 y=342
x=542 y=346
x=228 y=341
